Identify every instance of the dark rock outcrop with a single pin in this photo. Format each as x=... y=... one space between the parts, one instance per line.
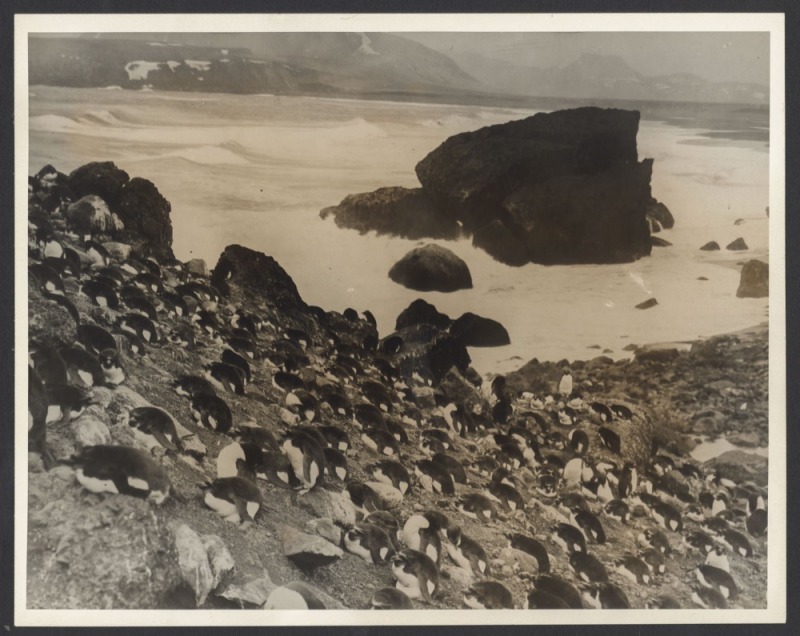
x=647 y=304
x=754 y=281
x=737 y=245
x=568 y=184
x=657 y=241
x=660 y=213
x=421 y=312
x=102 y=178
x=404 y=212
x=431 y=268
x=476 y=331
x=145 y=213
x=501 y=243
x=711 y=246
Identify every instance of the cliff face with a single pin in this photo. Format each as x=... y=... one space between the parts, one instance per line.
x=555 y=188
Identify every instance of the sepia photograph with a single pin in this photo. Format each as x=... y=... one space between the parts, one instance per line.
x=445 y=313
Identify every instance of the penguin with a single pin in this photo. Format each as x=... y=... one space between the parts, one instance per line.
x=391 y=473
x=226 y=377
x=303 y=403
x=390 y=598
x=485 y=465
x=718 y=559
x=589 y=524
x=396 y=430
x=336 y=438
x=715 y=525
x=258 y=436
x=392 y=345
x=736 y=542
x=132 y=344
x=341 y=407
x=37 y=419
x=48 y=278
x=654 y=560
x=416 y=574
x=368 y=416
x=140 y=326
x=476 y=506
x=295 y=595
x=418 y=529
x=634 y=568
x=434 y=478
x=547 y=485
x=240 y=458
x=655 y=539
x=622 y=411
x=559 y=589
x=243 y=346
x=502 y=411
x=700 y=541
x=587 y=567
x=122 y=470
x=579 y=442
x=380 y=441
x=370 y=542
x=231 y=357
x=602 y=411
x=617 y=509
x=235 y=499
x=143 y=306
x=718 y=579
x=48 y=363
x=111 y=364
x=83 y=369
x=610 y=439
x=667 y=516
x=664 y=601
x=465 y=552
x=155 y=427
x=307 y=459
x=708 y=598
x=95 y=339
x=97 y=253
x=569 y=537
x=364 y=497
x=756 y=522
x=65 y=402
x=430 y=543
x=335 y=464
x=182 y=335
x=530 y=546
x=193 y=385
x=541 y=599
x=606 y=596
x=66 y=303
x=565 y=385
x=488 y=595
x=628 y=482
x=377 y=395
x=509 y=497
x=212 y=412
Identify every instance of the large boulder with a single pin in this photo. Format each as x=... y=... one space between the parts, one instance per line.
x=738 y=245
x=568 y=184
x=421 y=312
x=660 y=213
x=90 y=215
x=102 y=178
x=404 y=212
x=501 y=243
x=145 y=214
x=711 y=246
x=476 y=331
x=754 y=280
x=431 y=268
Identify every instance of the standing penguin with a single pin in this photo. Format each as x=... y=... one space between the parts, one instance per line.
x=307 y=458
x=416 y=574
x=565 y=386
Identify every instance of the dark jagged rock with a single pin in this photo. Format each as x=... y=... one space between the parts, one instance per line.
x=404 y=212
x=740 y=466
x=568 y=184
x=421 y=312
x=711 y=246
x=737 y=245
x=145 y=214
x=431 y=268
x=476 y=331
x=102 y=178
x=647 y=304
x=447 y=352
x=656 y=354
x=754 y=280
x=660 y=213
x=258 y=275
x=657 y=241
x=501 y=243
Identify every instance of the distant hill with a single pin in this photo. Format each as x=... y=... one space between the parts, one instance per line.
x=358 y=64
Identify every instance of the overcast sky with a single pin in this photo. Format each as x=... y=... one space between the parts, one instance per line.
x=722 y=56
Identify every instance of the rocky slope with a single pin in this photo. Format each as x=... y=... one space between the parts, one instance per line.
x=531 y=450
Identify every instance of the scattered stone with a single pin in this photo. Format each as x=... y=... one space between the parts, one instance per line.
x=308 y=551
x=754 y=280
x=198 y=267
x=119 y=251
x=91 y=431
x=325 y=528
x=254 y=593
x=737 y=245
x=390 y=496
x=650 y=302
x=710 y=246
x=740 y=466
x=219 y=558
x=431 y=268
x=193 y=562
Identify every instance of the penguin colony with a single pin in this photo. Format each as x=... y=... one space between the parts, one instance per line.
x=546 y=473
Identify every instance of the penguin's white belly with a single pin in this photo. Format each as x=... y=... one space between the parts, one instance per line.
x=356 y=548
x=94 y=484
x=458 y=557
x=226 y=460
x=222 y=507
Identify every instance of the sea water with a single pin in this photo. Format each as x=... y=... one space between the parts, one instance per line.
x=257 y=169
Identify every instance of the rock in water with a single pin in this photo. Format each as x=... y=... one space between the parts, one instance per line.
x=660 y=213
x=711 y=246
x=650 y=302
x=477 y=331
x=656 y=241
x=754 y=281
x=567 y=184
x=737 y=245
x=404 y=212
x=501 y=243
x=421 y=312
x=431 y=268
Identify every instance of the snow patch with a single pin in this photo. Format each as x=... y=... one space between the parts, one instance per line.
x=199 y=65
x=139 y=69
x=366 y=46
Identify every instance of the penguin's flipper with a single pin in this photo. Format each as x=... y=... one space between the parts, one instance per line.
x=165 y=441
x=66 y=303
x=241 y=509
